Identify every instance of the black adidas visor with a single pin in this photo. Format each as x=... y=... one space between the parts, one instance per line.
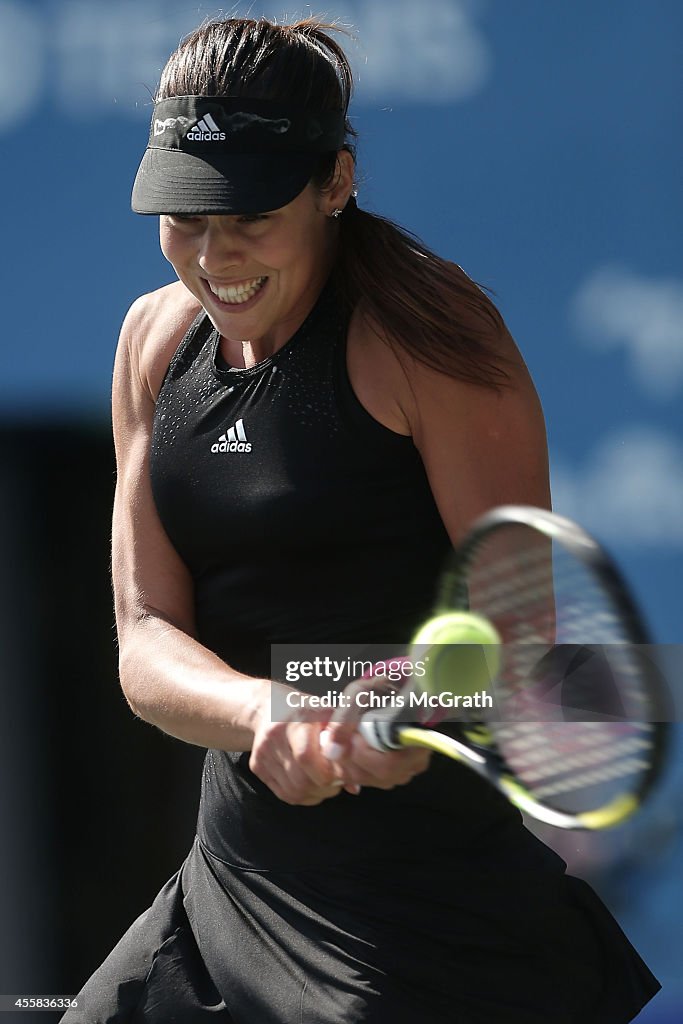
x=214 y=154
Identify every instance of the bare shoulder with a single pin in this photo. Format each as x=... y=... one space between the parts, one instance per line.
x=481 y=446
x=400 y=389
x=376 y=373
x=436 y=392
x=154 y=328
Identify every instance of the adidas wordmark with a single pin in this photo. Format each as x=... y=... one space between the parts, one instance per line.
x=206 y=130
x=233 y=440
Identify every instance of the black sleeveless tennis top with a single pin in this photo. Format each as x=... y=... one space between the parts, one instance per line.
x=302 y=520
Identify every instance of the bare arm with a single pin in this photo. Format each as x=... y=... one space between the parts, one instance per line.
x=168 y=678
x=480 y=449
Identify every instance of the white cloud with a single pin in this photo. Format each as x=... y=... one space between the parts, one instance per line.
x=426 y=52
x=429 y=51
x=109 y=55
x=21 y=62
x=106 y=57
x=617 y=308
x=630 y=491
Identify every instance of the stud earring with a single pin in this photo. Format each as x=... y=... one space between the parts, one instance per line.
x=336 y=213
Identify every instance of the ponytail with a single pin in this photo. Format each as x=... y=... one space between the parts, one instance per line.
x=426 y=306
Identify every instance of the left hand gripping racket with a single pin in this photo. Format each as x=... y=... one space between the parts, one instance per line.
x=577 y=734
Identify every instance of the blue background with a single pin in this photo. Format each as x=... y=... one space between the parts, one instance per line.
x=538 y=145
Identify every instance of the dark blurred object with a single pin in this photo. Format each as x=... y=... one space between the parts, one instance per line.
x=98 y=809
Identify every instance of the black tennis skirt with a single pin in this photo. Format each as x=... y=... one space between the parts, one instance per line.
x=359 y=946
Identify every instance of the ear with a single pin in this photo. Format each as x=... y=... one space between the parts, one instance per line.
x=336 y=196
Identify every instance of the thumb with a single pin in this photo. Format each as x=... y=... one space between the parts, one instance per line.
x=335 y=739
x=330 y=747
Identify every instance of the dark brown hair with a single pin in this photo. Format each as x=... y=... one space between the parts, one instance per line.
x=421 y=303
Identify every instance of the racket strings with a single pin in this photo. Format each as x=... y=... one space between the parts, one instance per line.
x=537 y=592
x=586 y=612
x=538 y=761
x=586 y=764
x=519 y=575
x=579 y=781
x=549 y=607
x=506 y=589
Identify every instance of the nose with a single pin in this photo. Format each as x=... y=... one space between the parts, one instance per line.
x=220 y=247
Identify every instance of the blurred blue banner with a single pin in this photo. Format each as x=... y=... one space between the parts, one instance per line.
x=534 y=144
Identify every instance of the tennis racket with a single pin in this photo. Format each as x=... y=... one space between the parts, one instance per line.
x=577 y=735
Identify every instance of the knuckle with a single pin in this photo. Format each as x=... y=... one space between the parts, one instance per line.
x=294 y=796
x=274 y=730
x=304 y=755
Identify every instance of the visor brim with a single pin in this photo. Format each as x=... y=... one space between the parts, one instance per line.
x=172 y=181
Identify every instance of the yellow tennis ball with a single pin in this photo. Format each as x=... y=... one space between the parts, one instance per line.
x=461 y=652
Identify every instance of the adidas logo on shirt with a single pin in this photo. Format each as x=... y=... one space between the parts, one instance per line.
x=205 y=130
x=233 y=440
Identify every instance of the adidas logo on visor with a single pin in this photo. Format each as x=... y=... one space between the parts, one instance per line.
x=205 y=130
x=233 y=440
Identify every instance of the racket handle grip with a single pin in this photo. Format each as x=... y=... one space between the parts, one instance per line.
x=379 y=733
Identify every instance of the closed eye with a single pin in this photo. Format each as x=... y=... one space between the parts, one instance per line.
x=184 y=218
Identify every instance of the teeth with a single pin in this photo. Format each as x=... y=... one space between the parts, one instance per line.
x=237 y=294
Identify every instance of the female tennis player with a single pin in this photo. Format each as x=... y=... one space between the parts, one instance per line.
x=305 y=422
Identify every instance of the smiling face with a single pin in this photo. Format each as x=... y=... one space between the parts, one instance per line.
x=257 y=275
